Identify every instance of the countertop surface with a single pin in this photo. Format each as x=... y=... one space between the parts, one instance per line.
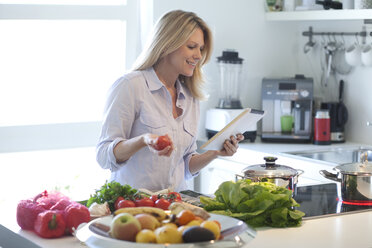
x=348 y=230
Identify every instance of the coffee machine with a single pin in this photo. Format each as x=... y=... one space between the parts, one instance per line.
x=288 y=104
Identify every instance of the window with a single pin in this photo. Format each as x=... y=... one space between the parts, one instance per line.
x=55 y=71
x=57 y=60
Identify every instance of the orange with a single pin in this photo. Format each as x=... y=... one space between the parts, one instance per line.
x=184 y=217
x=218 y=223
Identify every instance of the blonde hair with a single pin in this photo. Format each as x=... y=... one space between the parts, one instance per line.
x=171 y=32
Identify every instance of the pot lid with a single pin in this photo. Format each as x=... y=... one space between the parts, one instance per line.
x=360 y=168
x=270 y=170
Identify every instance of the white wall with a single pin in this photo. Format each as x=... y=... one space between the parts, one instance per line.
x=358 y=84
x=241 y=25
x=273 y=49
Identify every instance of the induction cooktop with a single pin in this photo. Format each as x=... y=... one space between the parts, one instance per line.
x=316 y=201
x=324 y=200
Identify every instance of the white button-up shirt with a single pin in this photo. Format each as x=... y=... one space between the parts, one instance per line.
x=139 y=103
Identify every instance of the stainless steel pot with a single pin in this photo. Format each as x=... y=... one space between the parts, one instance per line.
x=355 y=179
x=280 y=175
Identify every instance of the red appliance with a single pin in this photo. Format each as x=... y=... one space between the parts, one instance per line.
x=339 y=116
x=322 y=128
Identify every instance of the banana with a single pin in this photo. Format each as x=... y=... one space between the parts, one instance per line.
x=177 y=207
x=158 y=213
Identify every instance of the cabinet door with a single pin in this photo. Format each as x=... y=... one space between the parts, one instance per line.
x=217 y=172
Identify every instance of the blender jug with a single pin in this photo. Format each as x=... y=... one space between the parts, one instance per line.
x=230 y=67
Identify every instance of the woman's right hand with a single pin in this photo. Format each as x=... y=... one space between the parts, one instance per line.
x=152 y=141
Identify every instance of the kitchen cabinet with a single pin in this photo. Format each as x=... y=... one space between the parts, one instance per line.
x=318 y=15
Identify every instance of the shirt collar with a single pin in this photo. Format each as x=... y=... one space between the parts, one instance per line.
x=152 y=79
x=154 y=83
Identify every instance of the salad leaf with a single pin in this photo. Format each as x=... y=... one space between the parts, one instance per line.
x=256 y=203
x=109 y=192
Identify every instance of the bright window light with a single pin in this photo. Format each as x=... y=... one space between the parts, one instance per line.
x=58 y=71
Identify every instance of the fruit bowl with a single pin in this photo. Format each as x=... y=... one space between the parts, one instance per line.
x=97 y=240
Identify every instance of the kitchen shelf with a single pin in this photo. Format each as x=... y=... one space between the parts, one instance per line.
x=318 y=15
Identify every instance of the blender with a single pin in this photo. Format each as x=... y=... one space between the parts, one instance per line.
x=229 y=105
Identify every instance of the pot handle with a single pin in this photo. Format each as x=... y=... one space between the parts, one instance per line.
x=329 y=175
x=300 y=172
x=237 y=177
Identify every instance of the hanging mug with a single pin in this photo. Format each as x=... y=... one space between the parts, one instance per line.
x=367 y=55
x=353 y=55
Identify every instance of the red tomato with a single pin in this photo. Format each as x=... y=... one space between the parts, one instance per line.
x=162 y=142
x=154 y=198
x=120 y=198
x=144 y=202
x=173 y=196
x=162 y=203
x=126 y=204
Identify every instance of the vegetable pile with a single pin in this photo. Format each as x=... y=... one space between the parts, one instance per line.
x=51 y=214
x=109 y=192
x=124 y=196
x=257 y=203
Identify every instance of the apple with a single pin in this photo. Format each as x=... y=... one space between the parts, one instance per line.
x=125 y=227
x=147 y=221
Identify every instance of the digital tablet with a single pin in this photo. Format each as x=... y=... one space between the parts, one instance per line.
x=239 y=124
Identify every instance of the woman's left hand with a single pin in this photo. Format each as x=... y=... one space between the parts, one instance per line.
x=231 y=146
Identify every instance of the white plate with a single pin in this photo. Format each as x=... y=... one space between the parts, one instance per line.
x=94 y=240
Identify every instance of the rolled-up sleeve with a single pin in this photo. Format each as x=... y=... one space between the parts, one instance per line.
x=119 y=114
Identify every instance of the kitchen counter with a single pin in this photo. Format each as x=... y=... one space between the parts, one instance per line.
x=348 y=230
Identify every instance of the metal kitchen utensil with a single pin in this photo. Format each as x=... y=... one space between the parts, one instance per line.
x=355 y=179
x=309 y=45
x=330 y=48
x=280 y=175
x=100 y=229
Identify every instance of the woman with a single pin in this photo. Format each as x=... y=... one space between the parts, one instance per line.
x=160 y=96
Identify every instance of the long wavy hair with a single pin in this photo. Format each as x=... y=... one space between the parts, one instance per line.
x=171 y=32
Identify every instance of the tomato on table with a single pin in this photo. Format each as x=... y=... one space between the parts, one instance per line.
x=126 y=204
x=144 y=202
x=120 y=198
x=154 y=198
x=174 y=196
x=162 y=203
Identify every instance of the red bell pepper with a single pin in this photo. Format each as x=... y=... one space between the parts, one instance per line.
x=50 y=224
x=28 y=210
x=75 y=214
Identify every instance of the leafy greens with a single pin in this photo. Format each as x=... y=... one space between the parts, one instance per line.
x=257 y=203
x=109 y=192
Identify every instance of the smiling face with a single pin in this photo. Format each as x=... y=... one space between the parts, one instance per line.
x=185 y=58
